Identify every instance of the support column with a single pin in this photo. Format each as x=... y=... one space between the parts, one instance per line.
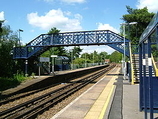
x=140 y=78
x=150 y=78
x=145 y=90
x=26 y=67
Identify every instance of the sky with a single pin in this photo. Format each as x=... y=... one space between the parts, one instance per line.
x=37 y=17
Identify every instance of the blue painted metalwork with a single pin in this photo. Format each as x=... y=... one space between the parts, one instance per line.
x=144 y=82
x=150 y=79
x=140 y=75
x=150 y=28
x=45 y=41
x=149 y=84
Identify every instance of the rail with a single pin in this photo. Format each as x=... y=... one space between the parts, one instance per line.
x=131 y=65
x=154 y=66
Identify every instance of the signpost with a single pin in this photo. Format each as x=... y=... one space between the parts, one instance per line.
x=53 y=56
x=42 y=59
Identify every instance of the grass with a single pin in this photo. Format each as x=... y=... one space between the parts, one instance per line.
x=6 y=83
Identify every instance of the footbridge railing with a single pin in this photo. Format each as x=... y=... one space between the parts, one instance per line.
x=97 y=37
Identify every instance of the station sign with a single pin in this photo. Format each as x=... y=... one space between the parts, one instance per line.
x=54 y=56
x=44 y=59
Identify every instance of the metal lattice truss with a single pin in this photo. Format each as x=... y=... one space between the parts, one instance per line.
x=43 y=42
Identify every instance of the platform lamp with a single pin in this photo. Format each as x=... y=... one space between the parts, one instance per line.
x=71 y=56
x=124 y=35
x=53 y=64
x=20 y=30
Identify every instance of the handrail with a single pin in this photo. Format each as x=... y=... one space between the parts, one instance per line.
x=131 y=63
x=149 y=29
x=154 y=65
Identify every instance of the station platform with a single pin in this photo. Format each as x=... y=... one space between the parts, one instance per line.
x=110 y=98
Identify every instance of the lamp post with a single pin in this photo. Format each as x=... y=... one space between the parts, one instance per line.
x=53 y=63
x=124 y=58
x=71 y=55
x=85 y=61
x=20 y=30
x=93 y=58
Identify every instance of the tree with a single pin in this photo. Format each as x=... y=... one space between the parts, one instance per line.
x=87 y=57
x=79 y=61
x=76 y=51
x=96 y=57
x=103 y=56
x=116 y=57
x=53 y=30
x=8 y=40
x=154 y=50
x=142 y=17
x=54 y=50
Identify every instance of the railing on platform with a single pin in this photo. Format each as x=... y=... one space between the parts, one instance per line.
x=131 y=65
x=154 y=66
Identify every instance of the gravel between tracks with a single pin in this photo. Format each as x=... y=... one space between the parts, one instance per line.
x=22 y=100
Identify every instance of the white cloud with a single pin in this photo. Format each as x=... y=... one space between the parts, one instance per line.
x=56 y=18
x=107 y=49
x=152 y=5
x=73 y=1
x=99 y=49
x=32 y=30
x=2 y=15
x=67 y=1
x=48 y=0
x=102 y=26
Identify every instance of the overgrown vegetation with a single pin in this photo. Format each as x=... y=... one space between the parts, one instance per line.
x=10 y=70
x=10 y=82
x=142 y=17
x=134 y=32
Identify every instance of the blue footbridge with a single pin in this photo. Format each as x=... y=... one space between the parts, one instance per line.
x=82 y=38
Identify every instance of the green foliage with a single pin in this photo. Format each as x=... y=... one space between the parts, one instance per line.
x=76 y=52
x=54 y=50
x=154 y=50
x=8 y=39
x=53 y=30
x=7 y=42
x=60 y=51
x=79 y=61
x=142 y=17
x=116 y=57
x=95 y=57
x=6 y=82
x=19 y=77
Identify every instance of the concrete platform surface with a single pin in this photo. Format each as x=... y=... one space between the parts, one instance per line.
x=93 y=103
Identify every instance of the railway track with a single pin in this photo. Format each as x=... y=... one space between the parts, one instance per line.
x=22 y=95
x=36 y=106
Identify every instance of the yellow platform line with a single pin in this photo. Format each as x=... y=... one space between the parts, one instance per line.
x=100 y=106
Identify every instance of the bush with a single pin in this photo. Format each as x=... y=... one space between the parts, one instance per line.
x=7 y=83
x=19 y=77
